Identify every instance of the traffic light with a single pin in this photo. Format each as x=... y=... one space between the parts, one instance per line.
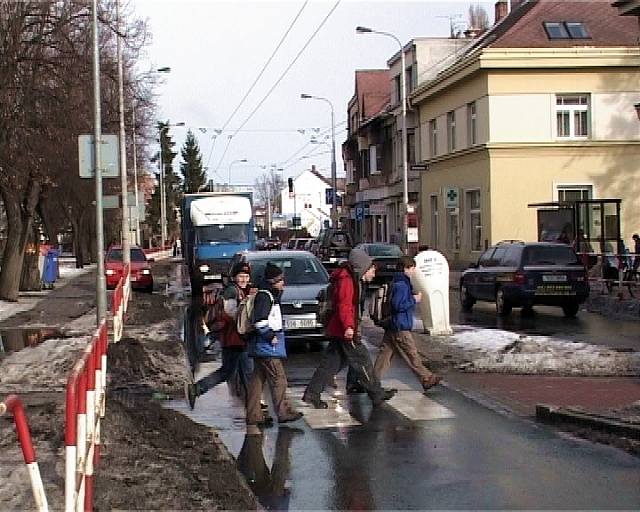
x=290 y=182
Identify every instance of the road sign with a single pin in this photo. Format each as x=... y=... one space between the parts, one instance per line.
x=295 y=222
x=419 y=167
x=109 y=156
x=360 y=212
x=110 y=202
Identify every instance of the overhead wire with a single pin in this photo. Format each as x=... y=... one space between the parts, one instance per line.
x=277 y=82
x=282 y=39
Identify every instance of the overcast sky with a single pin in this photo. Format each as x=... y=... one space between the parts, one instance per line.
x=217 y=48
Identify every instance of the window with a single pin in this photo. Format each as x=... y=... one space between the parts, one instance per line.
x=433 y=129
x=397 y=89
x=350 y=177
x=434 y=221
x=411 y=147
x=474 y=220
x=364 y=163
x=472 y=125
x=451 y=131
x=408 y=79
x=574 y=192
x=485 y=259
x=572 y=116
x=373 y=160
x=453 y=230
x=234 y=233
x=566 y=30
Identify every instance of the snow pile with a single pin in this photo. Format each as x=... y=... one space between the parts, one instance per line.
x=495 y=350
x=43 y=367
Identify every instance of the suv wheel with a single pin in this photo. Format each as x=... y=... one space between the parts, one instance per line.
x=571 y=309
x=466 y=301
x=503 y=307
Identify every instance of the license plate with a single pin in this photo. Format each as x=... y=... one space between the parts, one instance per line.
x=554 y=279
x=213 y=277
x=555 y=289
x=333 y=260
x=301 y=323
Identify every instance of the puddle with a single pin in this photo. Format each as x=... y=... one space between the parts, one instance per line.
x=14 y=340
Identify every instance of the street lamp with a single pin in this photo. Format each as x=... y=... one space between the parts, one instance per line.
x=403 y=99
x=242 y=160
x=334 y=177
x=165 y=69
x=163 y=197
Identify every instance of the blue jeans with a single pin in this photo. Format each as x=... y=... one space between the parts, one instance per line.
x=234 y=361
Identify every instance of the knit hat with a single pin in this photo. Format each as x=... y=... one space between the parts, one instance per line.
x=360 y=261
x=272 y=272
x=241 y=267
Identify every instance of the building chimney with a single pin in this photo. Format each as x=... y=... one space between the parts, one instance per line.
x=501 y=10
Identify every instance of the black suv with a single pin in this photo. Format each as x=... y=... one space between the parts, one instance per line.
x=333 y=245
x=518 y=274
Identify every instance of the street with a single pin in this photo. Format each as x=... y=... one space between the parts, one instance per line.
x=443 y=451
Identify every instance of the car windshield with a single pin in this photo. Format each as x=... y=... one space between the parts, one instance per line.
x=134 y=255
x=550 y=255
x=297 y=270
x=384 y=250
x=234 y=233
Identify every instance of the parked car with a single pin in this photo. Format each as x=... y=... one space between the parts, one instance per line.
x=304 y=278
x=141 y=276
x=291 y=244
x=517 y=274
x=386 y=257
x=273 y=244
x=333 y=245
x=301 y=243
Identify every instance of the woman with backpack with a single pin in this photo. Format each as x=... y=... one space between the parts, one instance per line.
x=267 y=348
x=223 y=313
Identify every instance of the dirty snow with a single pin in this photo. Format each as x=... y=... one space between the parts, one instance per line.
x=496 y=350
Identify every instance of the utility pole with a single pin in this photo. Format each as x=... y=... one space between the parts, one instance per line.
x=126 y=256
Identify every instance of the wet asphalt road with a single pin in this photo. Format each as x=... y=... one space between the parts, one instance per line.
x=443 y=451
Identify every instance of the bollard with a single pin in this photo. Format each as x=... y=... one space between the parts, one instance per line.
x=13 y=404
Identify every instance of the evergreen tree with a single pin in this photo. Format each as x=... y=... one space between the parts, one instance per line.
x=194 y=176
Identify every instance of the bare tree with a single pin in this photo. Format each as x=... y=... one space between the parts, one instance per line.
x=478 y=17
x=269 y=185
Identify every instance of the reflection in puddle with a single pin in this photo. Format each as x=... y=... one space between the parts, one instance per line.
x=13 y=340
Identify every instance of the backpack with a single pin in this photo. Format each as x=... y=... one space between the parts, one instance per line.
x=325 y=308
x=213 y=314
x=244 y=320
x=380 y=309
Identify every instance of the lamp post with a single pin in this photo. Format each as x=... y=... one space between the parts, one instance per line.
x=334 y=177
x=163 y=197
x=242 y=160
x=101 y=282
x=403 y=99
x=165 y=69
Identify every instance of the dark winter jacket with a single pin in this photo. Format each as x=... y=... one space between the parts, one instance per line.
x=229 y=337
x=403 y=303
x=345 y=301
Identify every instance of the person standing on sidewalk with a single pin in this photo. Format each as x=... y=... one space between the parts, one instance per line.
x=398 y=338
x=234 y=355
x=267 y=348
x=345 y=343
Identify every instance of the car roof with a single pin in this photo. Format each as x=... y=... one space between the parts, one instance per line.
x=266 y=255
x=532 y=244
x=118 y=246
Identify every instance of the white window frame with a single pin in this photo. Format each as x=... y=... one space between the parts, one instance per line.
x=472 y=123
x=373 y=160
x=470 y=211
x=558 y=187
x=570 y=111
x=451 y=131
x=433 y=136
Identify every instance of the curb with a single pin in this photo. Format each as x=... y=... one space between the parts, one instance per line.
x=557 y=415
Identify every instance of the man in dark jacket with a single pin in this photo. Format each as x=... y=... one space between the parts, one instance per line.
x=398 y=338
x=345 y=345
x=267 y=348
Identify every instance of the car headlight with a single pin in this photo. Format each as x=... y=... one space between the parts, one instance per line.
x=204 y=268
x=146 y=271
x=110 y=272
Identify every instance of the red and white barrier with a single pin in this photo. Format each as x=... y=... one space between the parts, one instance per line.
x=13 y=405
x=85 y=406
x=119 y=301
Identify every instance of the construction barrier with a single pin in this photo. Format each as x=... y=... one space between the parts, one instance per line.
x=119 y=302
x=13 y=405
x=85 y=406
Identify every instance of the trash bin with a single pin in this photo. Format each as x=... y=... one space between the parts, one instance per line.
x=50 y=268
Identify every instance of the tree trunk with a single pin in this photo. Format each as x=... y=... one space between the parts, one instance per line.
x=19 y=226
x=30 y=280
x=77 y=248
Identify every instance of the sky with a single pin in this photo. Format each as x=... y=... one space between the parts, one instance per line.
x=217 y=48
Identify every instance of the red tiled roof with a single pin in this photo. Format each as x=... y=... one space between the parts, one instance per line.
x=373 y=91
x=523 y=28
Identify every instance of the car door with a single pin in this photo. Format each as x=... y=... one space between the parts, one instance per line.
x=473 y=278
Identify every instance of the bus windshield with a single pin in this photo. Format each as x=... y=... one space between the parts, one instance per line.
x=230 y=233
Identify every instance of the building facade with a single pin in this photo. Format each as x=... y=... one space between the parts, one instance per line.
x=538 y=109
